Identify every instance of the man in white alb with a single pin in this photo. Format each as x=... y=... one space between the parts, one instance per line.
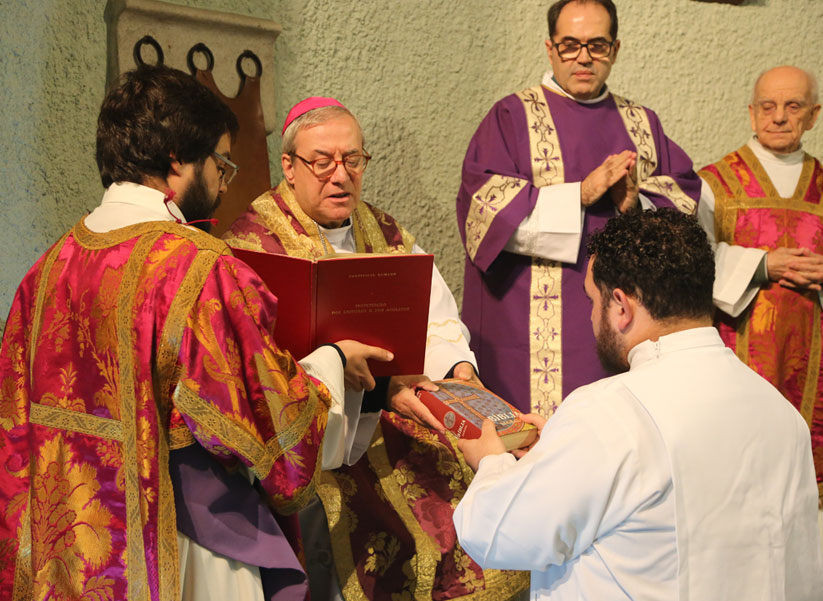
x=686 y=477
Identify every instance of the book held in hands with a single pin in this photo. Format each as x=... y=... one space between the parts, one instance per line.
x=376 y=299
x=461 y=406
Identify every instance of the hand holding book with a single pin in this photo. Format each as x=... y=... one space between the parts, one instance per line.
x=403 y=400
x=538 y=421
x=489 y=443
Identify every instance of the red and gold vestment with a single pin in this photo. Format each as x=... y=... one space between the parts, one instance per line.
x=779 y=333
x=120 y=347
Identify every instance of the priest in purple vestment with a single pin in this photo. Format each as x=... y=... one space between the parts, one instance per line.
x=547 y=166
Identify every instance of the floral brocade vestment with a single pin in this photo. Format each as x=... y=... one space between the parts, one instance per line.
x=120 y=347
x=389 y=514
x=779 y=334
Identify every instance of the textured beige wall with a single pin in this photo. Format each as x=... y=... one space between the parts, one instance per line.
x=419 y=74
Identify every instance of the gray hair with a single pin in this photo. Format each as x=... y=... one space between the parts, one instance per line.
x=310 y=119
x=813 y=88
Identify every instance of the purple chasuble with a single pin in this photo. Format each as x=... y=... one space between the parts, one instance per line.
x=540 y=134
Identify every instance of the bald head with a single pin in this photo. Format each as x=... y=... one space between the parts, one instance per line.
x=787 y=73
x=784 y=106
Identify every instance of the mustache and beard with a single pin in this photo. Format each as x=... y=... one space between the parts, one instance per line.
x=609 y=350
x=196 y=203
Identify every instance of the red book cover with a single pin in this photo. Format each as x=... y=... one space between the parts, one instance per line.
x=381 y=300
x=462 y=406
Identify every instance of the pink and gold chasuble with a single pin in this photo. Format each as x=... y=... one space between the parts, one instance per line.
x=118 y=348
x=779 y=334
x=390 y=514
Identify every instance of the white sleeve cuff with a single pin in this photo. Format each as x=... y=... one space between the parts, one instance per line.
x=554 y=228
x=324 y=364
x=645 y=203
x=734 y=268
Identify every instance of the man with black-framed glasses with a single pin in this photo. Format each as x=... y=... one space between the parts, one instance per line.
x=314 y=211
x=547 y=166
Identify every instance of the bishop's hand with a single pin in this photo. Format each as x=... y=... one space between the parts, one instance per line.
x=402 y=399
x=357 y=374
x=465 y=371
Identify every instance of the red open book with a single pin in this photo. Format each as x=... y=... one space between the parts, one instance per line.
x=382 y=300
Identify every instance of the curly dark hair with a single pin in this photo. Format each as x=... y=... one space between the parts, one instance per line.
x=155 y=112
x=554 y=14
x=662 y=258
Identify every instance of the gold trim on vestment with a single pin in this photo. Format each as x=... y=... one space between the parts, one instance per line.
x=812 y=370
x=261 y=456
x=340 y=528
x=75 y=421
x=168 y=366
x=665 y=185
x=214 y=423
x=545 y=341
x=40 y=298
x=493 y=196
x=168 y=559
x=366 y=230
x=99 y=241
x=168 y=371
x=275 y=220
x=636 y=121
x=547 y=163
x=180 y=437
x=545 y=299
x=427 y=553
x=23 y=589
x=136 y=573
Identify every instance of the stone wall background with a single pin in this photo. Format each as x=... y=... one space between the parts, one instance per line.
x=419 y=74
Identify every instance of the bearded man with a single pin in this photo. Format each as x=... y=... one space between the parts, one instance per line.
x=687 y=476
x=141 y=385
x=390 y=512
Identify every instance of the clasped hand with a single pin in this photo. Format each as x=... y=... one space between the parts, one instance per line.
x=617 y=175
x=797 y=268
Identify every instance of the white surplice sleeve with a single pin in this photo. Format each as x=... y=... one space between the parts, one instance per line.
x=735 y=266
x=447 y=337
x=340 y=441
x=554 y=228
x=577 y=482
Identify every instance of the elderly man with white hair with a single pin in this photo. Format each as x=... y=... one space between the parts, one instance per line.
x=762 y=207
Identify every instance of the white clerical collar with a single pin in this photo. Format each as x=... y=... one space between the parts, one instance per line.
x=549 y=82
x=670 y=343
x=126 y=203
x=764 y=155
